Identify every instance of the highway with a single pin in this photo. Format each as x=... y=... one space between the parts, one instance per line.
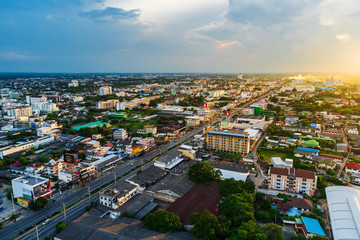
x=70 y=196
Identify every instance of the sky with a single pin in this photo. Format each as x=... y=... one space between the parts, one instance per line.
x=214 y=36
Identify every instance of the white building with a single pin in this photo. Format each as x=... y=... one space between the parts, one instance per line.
x=106 y=90
x=279 y=163
x=344 y=210
x=73 y=83
x=118 y=194
x=31 y=187
x=45 y=107
x=33 y=99
x=120 y=134
x=19 y=112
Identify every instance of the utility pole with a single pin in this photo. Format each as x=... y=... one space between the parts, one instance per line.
x=89 y=196
x=115 y=177
x=37 y=233
x=64 y=212
x=12 y=199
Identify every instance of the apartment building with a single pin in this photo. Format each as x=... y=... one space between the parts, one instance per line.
x=292 y=180
x=19 y=112
x=228 y=141
x=52 y=167
x=106 y=90
x=107 y=104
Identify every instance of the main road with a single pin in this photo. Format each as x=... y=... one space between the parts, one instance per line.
x=76 y=194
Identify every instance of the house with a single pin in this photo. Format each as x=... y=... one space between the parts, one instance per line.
x=279 y=163
x=303 y=205
x=309 y=227
x=292 y=180
x=53 y=166
x=354 y=169
x=301 y=151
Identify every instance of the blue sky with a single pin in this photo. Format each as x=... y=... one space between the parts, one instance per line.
x=180 y=36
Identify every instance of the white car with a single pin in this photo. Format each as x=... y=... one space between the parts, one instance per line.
x=46 y=221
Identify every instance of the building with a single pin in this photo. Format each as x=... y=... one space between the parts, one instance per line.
x=70 y=174
x=194 y=121
x=354 y=169
x=19 y=112
x=73 y=83
x=109 y=104
x=148 y=129
x=301 y=151
x=52 y=167
x=45 y=106
x=279 y=163
x=120 y=134
x=34 y=99
x=344 y=210
x=308 y=227
x=169 y=160
x=22 y=147
x=30 y=187
x=292 y=180
x=106 y=90
x=228 y=141
x=118 y=194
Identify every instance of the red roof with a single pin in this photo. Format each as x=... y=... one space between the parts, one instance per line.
x=199 y=198
x=292 y=172
x=301 y=203
x=15 y=164
x=330 y=156
x=353 y=165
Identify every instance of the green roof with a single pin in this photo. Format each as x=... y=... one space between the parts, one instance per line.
x=298 y=221
x=311 y=143
x=91 y=125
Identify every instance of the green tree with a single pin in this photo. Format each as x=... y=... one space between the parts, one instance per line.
x=103 y=141
x=238 y=208
x=38 y=203
x=163 y=221
x=203 y=172
x=60 y=226
x=232 y=186
x=273 y=231
x=318 y=237
x=206 y=225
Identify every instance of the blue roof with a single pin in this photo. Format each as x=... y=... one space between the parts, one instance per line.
x=228 y=134
x=308 y=149
x=313 y=226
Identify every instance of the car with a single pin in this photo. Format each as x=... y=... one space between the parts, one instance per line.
x=46 y=221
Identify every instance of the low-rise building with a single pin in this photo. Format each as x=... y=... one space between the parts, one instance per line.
x=292 y=180
x=118 y=194
x=31 y=187
x=70 y=174
x=354 y=169
x=120 y=134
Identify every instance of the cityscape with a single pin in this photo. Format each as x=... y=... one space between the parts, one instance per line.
x=179 y=120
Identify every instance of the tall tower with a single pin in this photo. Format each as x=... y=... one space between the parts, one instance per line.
x=240 y=76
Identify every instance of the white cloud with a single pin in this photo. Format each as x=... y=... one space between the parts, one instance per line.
x=14 y=56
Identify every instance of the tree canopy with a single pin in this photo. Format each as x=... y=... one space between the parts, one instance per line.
x=163 y=221
x=203 y=172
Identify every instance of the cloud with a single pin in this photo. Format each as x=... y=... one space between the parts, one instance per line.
x=222 y=44
x=14 y=56
x=111 y=14
x=342 y=37
x=264 y=12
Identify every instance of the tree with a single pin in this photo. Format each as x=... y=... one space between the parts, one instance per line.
x=206 y=225
x=273 y=231
x=103 y=141
x=38 y=203
x=82 y=155
x=60 y=226
x=203 y=172
x=163 y=221
x=318 y=237
x=232 y=186
x=238 y=208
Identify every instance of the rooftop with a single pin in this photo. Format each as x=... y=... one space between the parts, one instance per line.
x=30 y=180
x=148 y=176
x=293 y=172
x=313 y=226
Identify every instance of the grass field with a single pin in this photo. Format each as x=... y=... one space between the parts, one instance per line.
x=267 y=154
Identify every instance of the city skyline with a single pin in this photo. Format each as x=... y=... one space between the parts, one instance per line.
x=217 y=36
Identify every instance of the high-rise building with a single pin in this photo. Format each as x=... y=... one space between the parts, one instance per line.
x=228 y=141
x=19 y=112
x=106 y=90
x=73 y=83
x=240 y=76
x=107 y=104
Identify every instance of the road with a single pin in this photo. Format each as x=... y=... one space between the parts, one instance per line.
x=73 y=195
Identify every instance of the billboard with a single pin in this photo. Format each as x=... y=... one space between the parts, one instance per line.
x=70 y=158
x=205 y=105
x=227 y=114
x=42 y=189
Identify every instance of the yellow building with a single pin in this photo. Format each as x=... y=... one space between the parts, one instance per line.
x=229 y=141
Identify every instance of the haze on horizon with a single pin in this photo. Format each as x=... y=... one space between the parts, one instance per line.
x=179 y=36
